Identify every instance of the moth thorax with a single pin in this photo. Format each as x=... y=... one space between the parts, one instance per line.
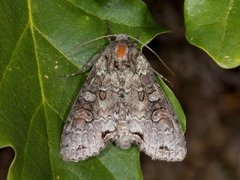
x=121 y=51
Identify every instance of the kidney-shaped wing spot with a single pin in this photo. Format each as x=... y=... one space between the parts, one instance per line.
x=163 y=137
x=89 y=126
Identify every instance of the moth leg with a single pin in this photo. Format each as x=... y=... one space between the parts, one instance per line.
x=90 y=64
x=87 y=67
x=108 y=136
x=71 y=75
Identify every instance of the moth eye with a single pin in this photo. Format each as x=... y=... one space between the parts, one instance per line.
x=113 y=38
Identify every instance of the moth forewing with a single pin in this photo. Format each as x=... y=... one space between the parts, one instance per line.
x=121 y=101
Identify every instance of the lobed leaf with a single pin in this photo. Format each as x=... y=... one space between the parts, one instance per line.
x=214 y=27
x=36 y=37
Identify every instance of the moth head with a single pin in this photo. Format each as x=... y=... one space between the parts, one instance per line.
x=120 y=37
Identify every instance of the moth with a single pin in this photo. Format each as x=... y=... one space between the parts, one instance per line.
x=122 y=102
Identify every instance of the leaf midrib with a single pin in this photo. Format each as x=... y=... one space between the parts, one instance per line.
x=13 y=53
x=44 y=101
x=29 y=5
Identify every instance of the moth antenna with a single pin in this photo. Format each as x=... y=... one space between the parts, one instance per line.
x=70 y=75
x=88 y=42
x=164 y=64
x=92 y=40
x=76 y=47
x=162 y=77
x=60 y=77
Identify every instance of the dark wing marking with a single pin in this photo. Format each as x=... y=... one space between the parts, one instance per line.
x=154 y=124
x=90 y=124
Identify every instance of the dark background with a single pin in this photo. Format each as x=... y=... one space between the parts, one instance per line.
x=209 y=95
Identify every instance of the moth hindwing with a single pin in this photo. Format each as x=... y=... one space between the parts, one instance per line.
x=122 y=102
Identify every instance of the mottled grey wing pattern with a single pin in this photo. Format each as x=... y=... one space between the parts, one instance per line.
x=90 y=124
x=121 y=101
x=153 y=118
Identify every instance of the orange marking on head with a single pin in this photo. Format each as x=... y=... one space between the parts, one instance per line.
x=121 y=50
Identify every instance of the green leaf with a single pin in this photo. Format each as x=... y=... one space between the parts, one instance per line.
x=214 y=27
x=174 y=102
x=34 y=103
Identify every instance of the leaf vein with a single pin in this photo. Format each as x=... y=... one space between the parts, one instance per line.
x=54 y=110
x=28 y=135
x=13 y=53
x=225 y=21
x=58 y=49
